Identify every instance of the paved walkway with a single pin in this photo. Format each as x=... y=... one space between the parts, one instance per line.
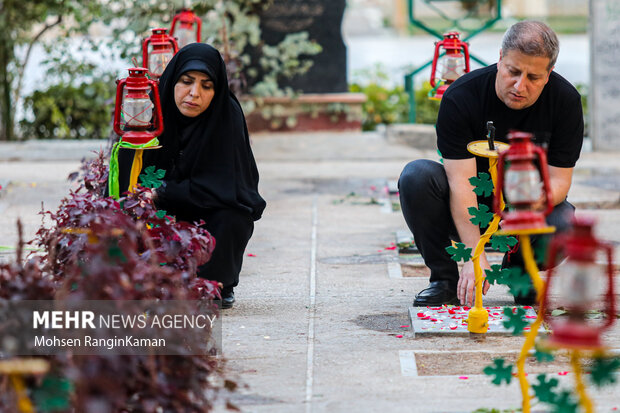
x=321 y=313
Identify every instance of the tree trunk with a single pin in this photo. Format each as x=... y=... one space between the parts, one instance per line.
x=6 y=103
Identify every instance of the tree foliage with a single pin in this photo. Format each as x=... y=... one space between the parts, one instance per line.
x=114 y=30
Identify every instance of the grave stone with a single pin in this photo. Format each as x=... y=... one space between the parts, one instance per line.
x=604 y=99
x=322 y=20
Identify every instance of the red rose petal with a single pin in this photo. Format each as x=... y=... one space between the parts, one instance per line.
x=404 y=326
x=463 y=377
x=563 y=373
x=399 y=336
x=391 y=248
x=452 y=327
x=251 y=255
x=420 y=314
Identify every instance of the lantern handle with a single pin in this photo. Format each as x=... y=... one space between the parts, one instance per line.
x=159 y=121
x=145 y=45
x=610 y=291
x=198 y=28
x=117 y=113
x=435 y=58
x=544 y=170
x=174 y=23
x=500 y=183
x=465 y=46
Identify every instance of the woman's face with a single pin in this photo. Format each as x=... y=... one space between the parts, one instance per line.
x=193 y=93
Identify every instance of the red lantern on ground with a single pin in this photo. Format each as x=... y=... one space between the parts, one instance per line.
x=142 y=117
x=523 y=178
x=449 y=67
x=163 y=48
x=185 y=32
x=583 y=285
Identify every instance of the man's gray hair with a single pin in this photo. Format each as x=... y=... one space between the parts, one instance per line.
x=532 y=38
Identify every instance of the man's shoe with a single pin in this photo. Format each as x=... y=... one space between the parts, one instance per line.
x=437 y=293
x=228 y=298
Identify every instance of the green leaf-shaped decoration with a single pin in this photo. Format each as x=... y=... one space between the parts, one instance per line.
x=483 y=185
x=460 y=252
x=503 y=243
x=116 y=254
x=565 y=403
x=497 y=274
x=603 y=369
x=540 y=247
x=501 y=372
x=53 y=395
x=543 y=355
x=515 y=321
x=544 y=389
x=151 y=178
x=519 y=282
x=480 y=216
x=160 y=214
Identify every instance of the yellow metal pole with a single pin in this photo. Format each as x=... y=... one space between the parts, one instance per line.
x=478 y=316
x=136 y=167
x=530 y=337
x=584 y=400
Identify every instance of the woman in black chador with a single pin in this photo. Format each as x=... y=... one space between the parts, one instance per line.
x=211 y=173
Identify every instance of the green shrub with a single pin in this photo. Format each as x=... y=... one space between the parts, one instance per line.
x=384 y=104
x=426 y=109
x=65 y=111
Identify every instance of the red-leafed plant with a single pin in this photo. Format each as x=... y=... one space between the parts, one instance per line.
x=97 y=248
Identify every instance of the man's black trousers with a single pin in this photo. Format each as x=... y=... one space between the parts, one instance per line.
x=425 y=202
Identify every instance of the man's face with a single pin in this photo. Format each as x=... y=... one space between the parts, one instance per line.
x=520 y=78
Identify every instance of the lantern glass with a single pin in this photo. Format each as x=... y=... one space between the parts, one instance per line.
x=452 y=67
x=185 y=36
x=158 y=60
x=522 y=186
x=581 y=284
x=138 y=112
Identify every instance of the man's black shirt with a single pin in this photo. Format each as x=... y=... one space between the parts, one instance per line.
x=555 y=119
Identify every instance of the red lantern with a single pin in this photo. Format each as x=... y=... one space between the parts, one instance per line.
x=523 y=178
x=451 y=66
x=186 y=33
x=163 y=47
x=583 y=284
x=140 y=125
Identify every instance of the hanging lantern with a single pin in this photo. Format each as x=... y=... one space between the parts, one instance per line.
x=449 y=67
x=133 y=103
x=523 y=178
x=584 y=284
x=185 y=32
x=163 y=48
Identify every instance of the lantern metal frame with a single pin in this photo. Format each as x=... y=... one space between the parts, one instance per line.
x=579 y=245
x=453 y=45
x=186 y=18
x=158 y=40
x=523 y=151
x=137 y=85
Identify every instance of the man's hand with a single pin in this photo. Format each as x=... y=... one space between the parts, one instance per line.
x=466 y=288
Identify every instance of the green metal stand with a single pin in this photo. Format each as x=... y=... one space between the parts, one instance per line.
x=455 y=23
